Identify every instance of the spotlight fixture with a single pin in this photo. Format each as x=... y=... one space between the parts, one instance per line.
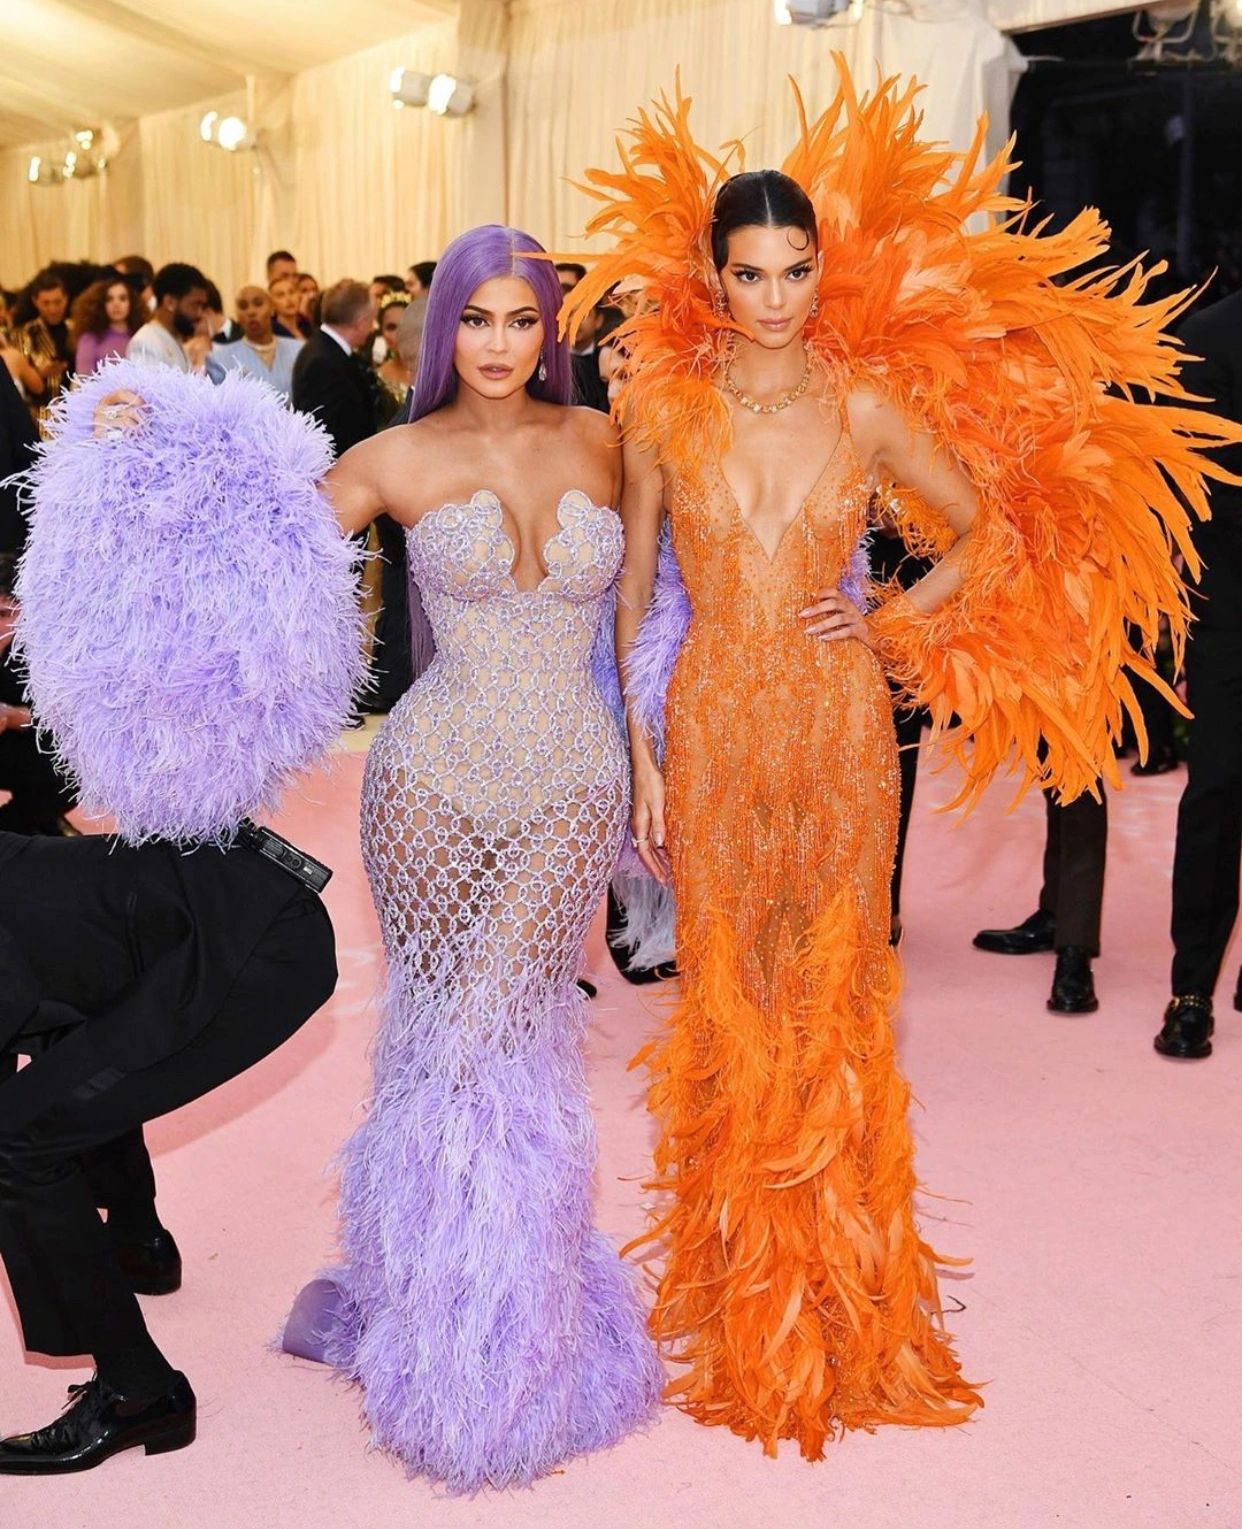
x=818 y=13
x=408 y=88
x=444 y=94
x=41 y=173
x=86 y=154
x=450 y=97
x=230 y=133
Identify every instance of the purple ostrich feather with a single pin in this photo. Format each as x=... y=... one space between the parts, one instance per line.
x=189 y=617
x=494 y=1332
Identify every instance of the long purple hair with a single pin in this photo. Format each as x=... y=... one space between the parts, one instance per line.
x=479 y=255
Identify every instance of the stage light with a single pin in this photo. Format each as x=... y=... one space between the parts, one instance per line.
x=823 y=13
x=408 y=88
x=232 y=134
x=783 y=16
x=229 y=133
x=448 y=96
x=40 y=173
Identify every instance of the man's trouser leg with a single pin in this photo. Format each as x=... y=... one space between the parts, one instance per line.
x=62 y=1266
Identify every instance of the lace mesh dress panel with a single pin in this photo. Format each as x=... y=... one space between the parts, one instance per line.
x=494 y=1331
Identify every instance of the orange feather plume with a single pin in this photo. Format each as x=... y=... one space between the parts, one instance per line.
x=1035 y=365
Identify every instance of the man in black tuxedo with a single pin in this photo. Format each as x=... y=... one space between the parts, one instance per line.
x=138 y=978
x=329 y=380
x=1208 y=853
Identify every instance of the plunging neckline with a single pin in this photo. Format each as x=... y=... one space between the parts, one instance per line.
x=487 y=498
x=771 y=557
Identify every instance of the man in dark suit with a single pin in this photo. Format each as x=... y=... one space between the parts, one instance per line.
x=155 y=976
x=329 y=380
x=1208 y=853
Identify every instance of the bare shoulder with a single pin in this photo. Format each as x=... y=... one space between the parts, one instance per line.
x=592 y=426
x=875 y=423
x=867 y=409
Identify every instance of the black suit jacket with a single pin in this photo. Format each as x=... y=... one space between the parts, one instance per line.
x=1215 y=334
x=338 y=390
x=18 y=439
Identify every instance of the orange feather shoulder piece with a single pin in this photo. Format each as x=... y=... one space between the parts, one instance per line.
x=1040 y=369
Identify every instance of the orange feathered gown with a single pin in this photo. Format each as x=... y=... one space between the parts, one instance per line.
x=796 y=1288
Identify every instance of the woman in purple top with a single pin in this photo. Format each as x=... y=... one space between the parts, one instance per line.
x=103 y=319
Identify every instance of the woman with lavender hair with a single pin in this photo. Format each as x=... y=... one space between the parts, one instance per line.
x=494 y=1332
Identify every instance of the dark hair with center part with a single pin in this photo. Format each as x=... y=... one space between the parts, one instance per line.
x=760 y=199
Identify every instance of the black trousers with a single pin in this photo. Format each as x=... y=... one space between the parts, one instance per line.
x=909 y=722
x=392 y=674
x=1208 y=851
x=119 y=1172
x=39 y=795
x=1075 y=851
x=71 y=1295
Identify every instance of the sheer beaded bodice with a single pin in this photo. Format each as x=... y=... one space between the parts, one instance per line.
x=497 y=786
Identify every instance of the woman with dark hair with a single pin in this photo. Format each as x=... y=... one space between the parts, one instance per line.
x=391 y=371
x=104 y=318
x=495 y=1334
x=811 y=341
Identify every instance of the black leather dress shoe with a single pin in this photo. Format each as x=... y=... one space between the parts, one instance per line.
x=152 y=1267
x=97 y=1424
x=1188 y=1026
x=1073 y=989
x=1033 y=934
x=1158 y=762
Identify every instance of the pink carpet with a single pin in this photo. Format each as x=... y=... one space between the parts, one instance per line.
x=1094 y=1185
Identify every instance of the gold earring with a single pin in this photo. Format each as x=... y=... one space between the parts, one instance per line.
x=815 y=306
x=718 y=301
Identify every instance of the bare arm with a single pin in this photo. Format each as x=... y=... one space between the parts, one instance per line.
x=642 y=513
x=889 y=448
x=22 y=371
x=353 y=487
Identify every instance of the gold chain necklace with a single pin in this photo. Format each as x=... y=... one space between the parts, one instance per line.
x=769 y=408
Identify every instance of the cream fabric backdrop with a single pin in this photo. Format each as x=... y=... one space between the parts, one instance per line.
x=354 y=187
x=578 y=71
x=350 y=184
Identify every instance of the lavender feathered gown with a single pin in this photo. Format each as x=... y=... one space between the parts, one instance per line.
x=494 y=1332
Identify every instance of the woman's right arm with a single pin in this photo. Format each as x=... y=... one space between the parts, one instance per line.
x=642 y=513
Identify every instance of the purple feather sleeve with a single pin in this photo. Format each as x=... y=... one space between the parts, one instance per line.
x=189 y=619
x=647 y=907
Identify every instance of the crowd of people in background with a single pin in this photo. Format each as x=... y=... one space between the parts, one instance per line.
x=73 y=316
x=348 y=355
